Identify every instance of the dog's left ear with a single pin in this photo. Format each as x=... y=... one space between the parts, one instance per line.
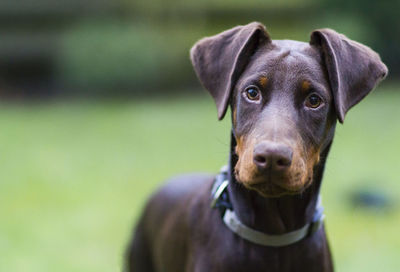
x=353 y=69
x=219 y=60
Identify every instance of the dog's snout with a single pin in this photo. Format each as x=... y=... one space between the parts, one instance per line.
x=272 y=156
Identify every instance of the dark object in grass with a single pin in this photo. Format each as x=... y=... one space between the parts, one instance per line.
x=371 y=200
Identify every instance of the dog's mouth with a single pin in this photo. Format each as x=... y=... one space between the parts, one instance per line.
x=277 y=187
x=271 y=190
x=273 y=184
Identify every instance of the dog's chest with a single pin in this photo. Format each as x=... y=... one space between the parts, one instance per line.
x=227 y=257
x=221 y=250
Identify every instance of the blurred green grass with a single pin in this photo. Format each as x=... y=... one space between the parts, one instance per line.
x=75 y=175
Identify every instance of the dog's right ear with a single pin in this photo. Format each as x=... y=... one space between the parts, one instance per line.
x=219 y=60
x=353 y=69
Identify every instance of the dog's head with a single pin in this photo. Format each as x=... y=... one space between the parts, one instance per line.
x=285 y=97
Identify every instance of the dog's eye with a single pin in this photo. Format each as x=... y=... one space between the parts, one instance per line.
x=252 y=94
x=313 y=101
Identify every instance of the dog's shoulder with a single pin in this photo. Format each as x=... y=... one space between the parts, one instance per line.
x=185 y=185
x=172 y=210
x=179 y=196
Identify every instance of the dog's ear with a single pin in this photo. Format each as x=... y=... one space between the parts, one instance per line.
x=219 y=60
x=353 y=69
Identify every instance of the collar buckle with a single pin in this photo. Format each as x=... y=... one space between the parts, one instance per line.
x=315 y=225
x=218 y=192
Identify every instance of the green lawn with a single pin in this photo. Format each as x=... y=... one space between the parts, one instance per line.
x=74 y=177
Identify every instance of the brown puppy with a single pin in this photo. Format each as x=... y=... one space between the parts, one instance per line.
x=285 y=97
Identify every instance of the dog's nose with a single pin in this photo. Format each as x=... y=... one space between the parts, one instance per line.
x=272 y=156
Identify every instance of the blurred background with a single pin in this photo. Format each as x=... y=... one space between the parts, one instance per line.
x=99 y=105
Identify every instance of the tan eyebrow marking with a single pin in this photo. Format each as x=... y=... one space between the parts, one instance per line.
x=263 y=81
x=305 y=85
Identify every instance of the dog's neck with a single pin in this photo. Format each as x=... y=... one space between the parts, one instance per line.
x=274 y=215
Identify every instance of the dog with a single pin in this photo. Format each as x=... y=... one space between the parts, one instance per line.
x=285 y=98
